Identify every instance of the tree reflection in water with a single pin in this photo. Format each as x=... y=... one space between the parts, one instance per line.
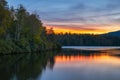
x=30 y=66
x=24 y=66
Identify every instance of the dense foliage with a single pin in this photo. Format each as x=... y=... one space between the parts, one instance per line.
x=21 y=31
x=87 y=40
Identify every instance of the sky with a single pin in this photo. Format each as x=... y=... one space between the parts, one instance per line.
x=75 y=16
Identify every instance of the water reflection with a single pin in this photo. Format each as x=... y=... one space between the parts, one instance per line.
x=102 y=56
x=84 y=65
x=24 y=66
x=64 y=65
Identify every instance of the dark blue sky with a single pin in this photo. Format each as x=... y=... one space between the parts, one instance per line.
x=93 y=15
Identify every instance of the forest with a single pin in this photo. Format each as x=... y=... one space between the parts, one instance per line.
x=21 y=31
x=69 y=39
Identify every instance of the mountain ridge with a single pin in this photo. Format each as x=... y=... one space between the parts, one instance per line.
x=115 y=33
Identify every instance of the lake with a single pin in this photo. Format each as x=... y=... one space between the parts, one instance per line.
x=72 y=63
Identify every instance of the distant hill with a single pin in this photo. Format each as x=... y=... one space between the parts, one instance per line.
x=116 y=33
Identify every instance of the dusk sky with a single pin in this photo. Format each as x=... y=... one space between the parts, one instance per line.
x=75 y=16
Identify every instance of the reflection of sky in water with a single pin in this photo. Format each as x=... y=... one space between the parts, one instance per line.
x=91 y=47
x=82 y=67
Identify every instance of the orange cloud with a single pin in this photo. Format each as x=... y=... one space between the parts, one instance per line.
x=78 y=31
x=84 y=29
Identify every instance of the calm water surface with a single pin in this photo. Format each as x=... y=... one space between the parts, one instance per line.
x=69 y=64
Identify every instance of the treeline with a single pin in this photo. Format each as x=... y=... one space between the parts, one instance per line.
x=69 y=39
x=21 y=31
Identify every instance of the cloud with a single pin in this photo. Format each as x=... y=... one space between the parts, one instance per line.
x=79 y=6
x=75 y=13
x=77 y=27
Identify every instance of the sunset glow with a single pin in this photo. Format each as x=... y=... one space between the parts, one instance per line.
x=76 y=16
x=59 y=39
x=67 y=30
x=96 y=30
x=96 y=58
